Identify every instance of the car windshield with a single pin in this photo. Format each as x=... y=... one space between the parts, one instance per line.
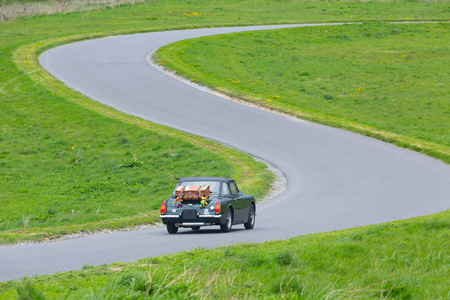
x=214 y=186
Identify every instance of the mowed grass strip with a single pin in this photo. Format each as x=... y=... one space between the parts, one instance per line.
x=407 y=259
x=383 y=80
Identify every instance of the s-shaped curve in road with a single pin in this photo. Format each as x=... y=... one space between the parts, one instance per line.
x=336 y=179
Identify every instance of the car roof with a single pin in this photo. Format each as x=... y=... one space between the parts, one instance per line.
x=205 y=179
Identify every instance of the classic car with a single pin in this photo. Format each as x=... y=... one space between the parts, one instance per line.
x=207 y=201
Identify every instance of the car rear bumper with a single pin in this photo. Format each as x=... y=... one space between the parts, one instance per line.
x=201 y=220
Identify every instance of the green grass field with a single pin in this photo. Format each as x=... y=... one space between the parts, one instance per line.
x=384 y=80
x=68 y=164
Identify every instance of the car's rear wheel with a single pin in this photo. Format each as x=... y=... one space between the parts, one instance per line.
x=228 y=222
x=171 y=228
x=195 y=228
x=251 y=218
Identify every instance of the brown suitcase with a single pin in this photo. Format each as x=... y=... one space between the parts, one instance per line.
x=179 y=191
x=204 y=191
x=193 y=192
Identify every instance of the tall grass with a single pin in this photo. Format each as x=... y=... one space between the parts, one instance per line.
x=13 y=10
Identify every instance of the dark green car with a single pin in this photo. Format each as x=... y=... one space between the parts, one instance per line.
x=207 y=201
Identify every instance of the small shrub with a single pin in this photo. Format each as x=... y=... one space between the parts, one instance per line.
x=51 y=211
x=136 y=281
x=285 y=258
x=396 y=291
x=133 y=164
x=29 y=292
x=123 y=141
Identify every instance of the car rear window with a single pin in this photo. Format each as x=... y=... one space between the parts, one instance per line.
x=213 y=185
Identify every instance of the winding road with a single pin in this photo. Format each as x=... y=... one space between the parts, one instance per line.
x=336 y=179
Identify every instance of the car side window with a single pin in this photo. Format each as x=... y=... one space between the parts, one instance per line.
x=225 y=189
x=234 y=189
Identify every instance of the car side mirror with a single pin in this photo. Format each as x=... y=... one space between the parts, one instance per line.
x=241 y=193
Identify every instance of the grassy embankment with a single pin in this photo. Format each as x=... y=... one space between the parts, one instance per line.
x=408 y=259
x=379 y=260
x=383 y=80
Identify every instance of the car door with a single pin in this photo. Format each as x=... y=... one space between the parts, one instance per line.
x=226 y=194
x=240 y=205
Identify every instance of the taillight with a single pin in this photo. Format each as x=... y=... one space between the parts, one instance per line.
x=217 y=207
x=163 y=207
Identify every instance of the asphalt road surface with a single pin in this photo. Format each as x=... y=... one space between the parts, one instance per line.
x=336 y=179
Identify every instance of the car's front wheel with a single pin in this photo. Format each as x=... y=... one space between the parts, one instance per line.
x=228 y=222
x=171 y=228
x=251 y=218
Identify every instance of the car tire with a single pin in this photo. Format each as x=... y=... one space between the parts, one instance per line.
x=171 y=228
x=195 y=228
x=251 y=218
x=228 y=222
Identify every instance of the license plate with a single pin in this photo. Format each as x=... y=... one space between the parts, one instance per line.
x=189 y=214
